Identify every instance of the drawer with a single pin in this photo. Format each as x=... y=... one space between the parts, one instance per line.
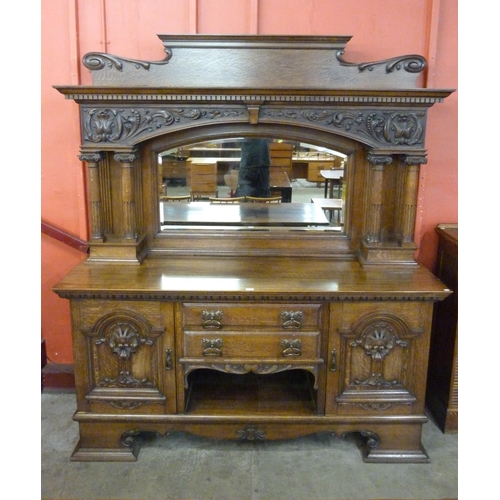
x=173 y=166
x=222 y=316
x=176 y=171
x=313 y=170
x=252 y=345
x=281 y=162
x=321 y=165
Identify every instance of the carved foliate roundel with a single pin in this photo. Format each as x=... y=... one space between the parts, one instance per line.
x=124 y=339
x=378 y=335
x=379 y=340
x=123 y=333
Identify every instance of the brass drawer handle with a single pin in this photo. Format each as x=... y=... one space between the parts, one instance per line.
x=291 y=347
x=212 y=347
x=212 y=320
x=291 y=320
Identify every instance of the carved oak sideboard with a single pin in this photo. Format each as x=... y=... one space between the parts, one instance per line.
x=252 y=334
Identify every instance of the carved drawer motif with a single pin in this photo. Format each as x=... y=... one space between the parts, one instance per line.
x=225 y=315
x=258 y=338
x=252 y=344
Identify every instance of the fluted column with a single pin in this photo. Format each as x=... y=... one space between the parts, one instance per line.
x=95 y=198
x=410 y=194
x=374 y=219
x=128 y=194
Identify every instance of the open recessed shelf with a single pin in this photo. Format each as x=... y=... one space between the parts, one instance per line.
x=289 y=393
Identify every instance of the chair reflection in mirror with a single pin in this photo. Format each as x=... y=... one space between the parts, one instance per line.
x=273 y=199
x=180 y=198
x=238 y=199
x=203 y=180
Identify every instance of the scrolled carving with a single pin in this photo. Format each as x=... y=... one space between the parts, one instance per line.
x=258 y=368
x=103 y=125
x=251 y=433
x=373 y=439
x=397 y=128
x=345 y=120
x=377 y=380
x=125 y=379
x=411 y=63
x=379 y=406
x=125 y=405
x=99 y=60
x=128 y=438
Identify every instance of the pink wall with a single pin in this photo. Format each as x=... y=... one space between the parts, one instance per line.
x=380 y=29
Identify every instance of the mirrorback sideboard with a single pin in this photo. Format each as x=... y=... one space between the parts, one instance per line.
x=252 y=334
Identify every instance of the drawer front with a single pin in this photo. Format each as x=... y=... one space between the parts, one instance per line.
x=252 y=345
x=223 y=316
x=176 y=172
x=174 y=169
x=313 y=174
x=281 y=162
x=321 y=165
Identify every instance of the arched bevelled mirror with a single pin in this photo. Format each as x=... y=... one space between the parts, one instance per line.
x=299 y=173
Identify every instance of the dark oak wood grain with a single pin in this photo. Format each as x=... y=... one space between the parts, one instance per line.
x=263 y=333
x=442 y=380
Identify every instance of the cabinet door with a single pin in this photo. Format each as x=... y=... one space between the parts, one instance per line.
x=123 y=354
x=379 y=355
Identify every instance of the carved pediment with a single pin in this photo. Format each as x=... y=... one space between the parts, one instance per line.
x=272 y=62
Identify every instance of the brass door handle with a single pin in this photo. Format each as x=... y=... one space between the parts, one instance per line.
x=168 y=359
x=333 y=361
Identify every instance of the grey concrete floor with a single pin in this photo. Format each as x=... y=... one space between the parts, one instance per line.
x=181 y=466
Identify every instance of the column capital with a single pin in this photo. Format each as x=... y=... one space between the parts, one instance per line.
x=129 y=157
x=91 y=157
x=415 y=160
x=379 y=160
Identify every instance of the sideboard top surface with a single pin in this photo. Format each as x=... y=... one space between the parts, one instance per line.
x=264 y=277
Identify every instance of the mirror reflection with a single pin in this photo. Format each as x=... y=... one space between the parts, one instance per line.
x=252 y=183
